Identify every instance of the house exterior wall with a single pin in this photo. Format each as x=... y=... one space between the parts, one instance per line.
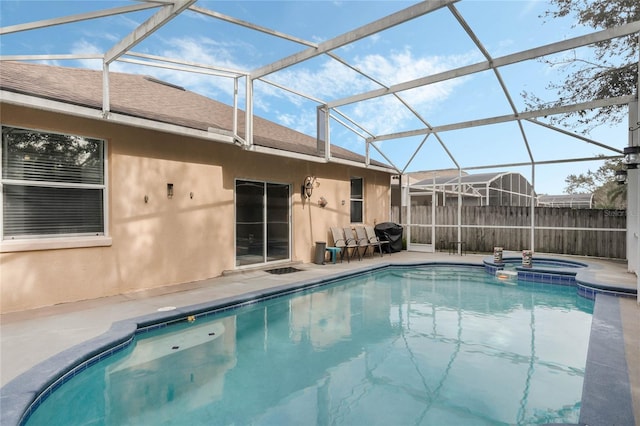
x=167 y=241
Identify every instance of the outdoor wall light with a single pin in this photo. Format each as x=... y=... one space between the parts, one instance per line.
x=632 y=157
x=169 y=190
x=621 y=176
x=307 y=186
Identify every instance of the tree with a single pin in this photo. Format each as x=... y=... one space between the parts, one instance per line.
x=611 y=72
x=607 y=193
x=34 y=156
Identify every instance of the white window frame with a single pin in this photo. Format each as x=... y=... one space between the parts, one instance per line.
x=62 y=241
x=357 y=200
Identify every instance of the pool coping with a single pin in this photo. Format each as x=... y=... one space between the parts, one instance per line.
x=23 y=394
x=606 y=390
x=582 y=274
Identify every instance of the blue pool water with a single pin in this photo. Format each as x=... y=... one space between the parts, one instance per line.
x=430 y=345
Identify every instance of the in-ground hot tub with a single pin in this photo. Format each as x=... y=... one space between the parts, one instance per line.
x=554 y=270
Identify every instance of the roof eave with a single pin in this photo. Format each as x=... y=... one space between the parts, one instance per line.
x=318 y=159
x=49 y=105
x=39 y=103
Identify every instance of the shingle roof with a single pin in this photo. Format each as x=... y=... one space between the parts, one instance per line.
x=424 y=175
x=478 y=178
x=566 y=199
x=143 y=97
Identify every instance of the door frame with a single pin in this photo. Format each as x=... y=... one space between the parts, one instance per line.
x=265 y=260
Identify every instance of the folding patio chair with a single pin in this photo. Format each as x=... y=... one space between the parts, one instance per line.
x=350 y=236
x=343 y=243
x=373 y=239
x=363 y=240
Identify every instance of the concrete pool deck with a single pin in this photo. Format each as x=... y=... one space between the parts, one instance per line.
x=29 y=338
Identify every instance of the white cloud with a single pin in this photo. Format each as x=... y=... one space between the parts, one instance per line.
x=332 y=80
x=202 y=50
x=528 y=7
x=329 y=80
x=83 y=46
x=304 y=123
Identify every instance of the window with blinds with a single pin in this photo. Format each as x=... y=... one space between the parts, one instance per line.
x=53 y=185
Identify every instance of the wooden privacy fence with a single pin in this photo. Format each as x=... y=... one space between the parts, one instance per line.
x=585 y=232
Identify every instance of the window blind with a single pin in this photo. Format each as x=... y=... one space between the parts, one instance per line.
x=53 y=184
x=38 y=211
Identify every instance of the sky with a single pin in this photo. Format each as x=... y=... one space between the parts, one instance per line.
x=427 y=45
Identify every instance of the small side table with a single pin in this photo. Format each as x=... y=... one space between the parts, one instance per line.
x=334 y=253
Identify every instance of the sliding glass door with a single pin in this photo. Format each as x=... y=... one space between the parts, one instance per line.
x=262 y=222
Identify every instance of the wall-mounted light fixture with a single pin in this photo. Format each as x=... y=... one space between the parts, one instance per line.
x=621 y=176
x=307 y=186
x=632 y=157
x=631 y=161
x=169 y=190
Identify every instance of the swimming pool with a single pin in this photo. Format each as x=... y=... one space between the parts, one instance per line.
x=402 y=345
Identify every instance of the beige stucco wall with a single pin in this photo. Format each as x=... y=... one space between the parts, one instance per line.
x=169 y=241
